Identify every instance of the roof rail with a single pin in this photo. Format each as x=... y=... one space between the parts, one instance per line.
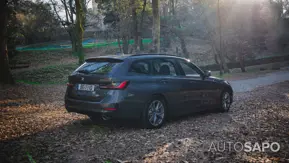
x=141 y=54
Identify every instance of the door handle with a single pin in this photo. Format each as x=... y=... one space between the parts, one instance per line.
x=192 y=81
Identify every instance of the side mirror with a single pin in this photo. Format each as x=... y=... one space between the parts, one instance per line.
x=207 y=73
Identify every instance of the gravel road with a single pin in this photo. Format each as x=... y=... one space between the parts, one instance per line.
x=250 y=84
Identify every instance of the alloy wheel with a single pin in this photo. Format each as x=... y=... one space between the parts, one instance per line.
x=156 y=113
x=226 y=101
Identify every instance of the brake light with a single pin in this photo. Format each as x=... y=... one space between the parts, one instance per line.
x=121 y=85
x=69 y=85
x=110 y=109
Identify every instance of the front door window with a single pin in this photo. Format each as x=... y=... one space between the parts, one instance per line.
x=188 y=69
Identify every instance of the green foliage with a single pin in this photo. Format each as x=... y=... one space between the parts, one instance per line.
x=30 y=158
x=148 y=8
x=113 y=9
x=36 y=22
x=29 y=22
x=108 y=161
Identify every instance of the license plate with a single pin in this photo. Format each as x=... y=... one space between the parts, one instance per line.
x=86 y=87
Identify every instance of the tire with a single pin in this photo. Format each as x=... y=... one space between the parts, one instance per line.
x=155 y=113
x=226 y=101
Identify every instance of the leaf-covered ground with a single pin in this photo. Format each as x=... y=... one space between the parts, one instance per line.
x=34 y=124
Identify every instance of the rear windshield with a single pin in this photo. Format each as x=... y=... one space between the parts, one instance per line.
x=97 y=67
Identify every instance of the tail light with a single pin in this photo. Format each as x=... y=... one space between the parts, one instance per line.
x=121 y=85
x=110 y=109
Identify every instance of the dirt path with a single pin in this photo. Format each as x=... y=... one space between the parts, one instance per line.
x=252 y=83
x=34 y=122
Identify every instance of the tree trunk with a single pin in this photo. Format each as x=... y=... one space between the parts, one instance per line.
x=73 y=39
x=119 y=45
x=79 y=30
x=5 y=73
x=167 y=37
x=223 y=63
x=216 y=58
x=125 y=43
x=181 y=37
x=73 y=47
x=242 y=62
x=141 y=26
x=135 y=25
x=156 y=25
x=177 y=32
x=221 y=55
x=184 y=47
x=242 y=66
x=219 y=62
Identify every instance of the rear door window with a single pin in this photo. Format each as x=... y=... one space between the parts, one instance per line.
x=97 y=67
x=164 y=67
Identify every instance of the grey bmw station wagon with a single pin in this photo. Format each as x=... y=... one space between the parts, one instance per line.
x=147 y=87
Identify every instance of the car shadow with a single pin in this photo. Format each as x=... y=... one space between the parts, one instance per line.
x=115 y=124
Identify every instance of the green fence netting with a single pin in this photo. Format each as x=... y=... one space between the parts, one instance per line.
x=85 y=45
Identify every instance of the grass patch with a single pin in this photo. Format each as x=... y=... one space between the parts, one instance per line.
x=41 y=57
x=54 y=74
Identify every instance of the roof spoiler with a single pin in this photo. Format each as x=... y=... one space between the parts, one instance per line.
x=103 y=60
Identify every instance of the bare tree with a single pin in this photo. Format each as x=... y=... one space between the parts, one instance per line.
x=121 y=18
x=173 y=23
x=141 y=25
x=69 y=20
x=179 y=32
x=156 y=25
x=135 y=24
x=223 y=65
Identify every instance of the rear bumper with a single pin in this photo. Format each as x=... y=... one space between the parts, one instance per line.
x=88 y=107
x=124 y=109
